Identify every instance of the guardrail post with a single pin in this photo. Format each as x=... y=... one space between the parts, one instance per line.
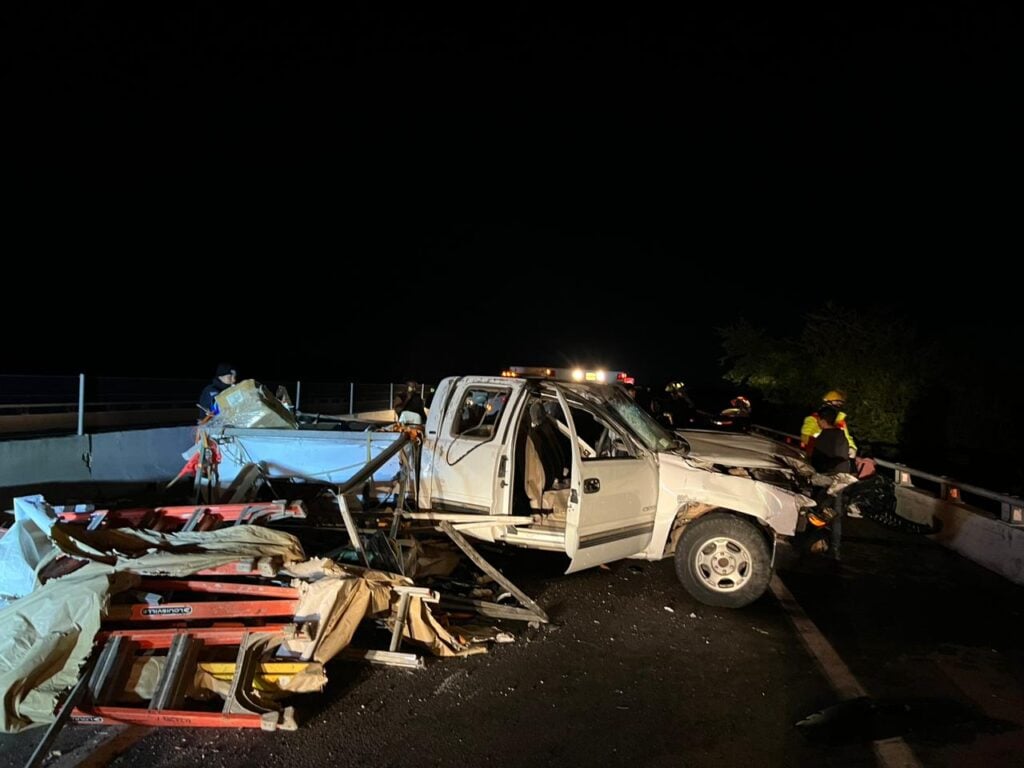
x=351 y=398
x=903 y=477
x=391 y=399
x=81 y=404
x=947 y=491
x=298 y=394
x=1013 y=513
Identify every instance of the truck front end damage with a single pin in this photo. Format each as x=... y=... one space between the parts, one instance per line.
x=693 y=487
x=724 y=502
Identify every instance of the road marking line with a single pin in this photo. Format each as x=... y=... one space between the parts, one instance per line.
x=891 y=753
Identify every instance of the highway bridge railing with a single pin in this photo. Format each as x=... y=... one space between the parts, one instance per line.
x=1009 y=509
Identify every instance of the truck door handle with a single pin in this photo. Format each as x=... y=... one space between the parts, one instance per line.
x=591 y=485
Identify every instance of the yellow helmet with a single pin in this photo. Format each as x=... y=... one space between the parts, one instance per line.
x=834 y=396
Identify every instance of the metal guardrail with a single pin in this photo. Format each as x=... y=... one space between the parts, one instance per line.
x=1011 y=508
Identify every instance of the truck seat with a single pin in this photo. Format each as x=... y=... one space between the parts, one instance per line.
x=546 y=501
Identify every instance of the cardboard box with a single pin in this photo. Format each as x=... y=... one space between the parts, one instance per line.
x=249 y=404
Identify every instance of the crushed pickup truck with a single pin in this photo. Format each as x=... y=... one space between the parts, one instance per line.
x=565 y=461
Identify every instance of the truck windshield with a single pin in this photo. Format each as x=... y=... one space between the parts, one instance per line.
x=653 y=436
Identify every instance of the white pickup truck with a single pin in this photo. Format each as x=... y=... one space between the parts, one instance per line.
x=565 y=461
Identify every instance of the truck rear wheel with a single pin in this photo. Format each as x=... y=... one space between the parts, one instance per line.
x=723 y=560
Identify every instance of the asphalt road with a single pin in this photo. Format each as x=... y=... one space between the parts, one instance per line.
x=633 y=671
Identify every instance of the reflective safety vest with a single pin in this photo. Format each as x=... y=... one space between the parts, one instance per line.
x=811 y=430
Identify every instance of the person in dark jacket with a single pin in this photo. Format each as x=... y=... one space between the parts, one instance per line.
x=412 y=403
x=678 y=410
x=830 y=456
x=809 y=431
x=224 y=377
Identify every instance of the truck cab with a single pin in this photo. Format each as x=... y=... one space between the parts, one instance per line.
x=564 y=460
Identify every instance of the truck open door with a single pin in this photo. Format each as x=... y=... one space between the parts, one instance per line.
x=612 y=501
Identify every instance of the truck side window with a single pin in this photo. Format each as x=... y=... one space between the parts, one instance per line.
x=480 y=412
x=596 y=438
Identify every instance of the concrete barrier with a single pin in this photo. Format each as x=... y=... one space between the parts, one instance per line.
x=973 y=533
x=126 y=457
x=36 y=423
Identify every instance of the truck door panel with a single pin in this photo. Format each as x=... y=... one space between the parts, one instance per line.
x=613 y=501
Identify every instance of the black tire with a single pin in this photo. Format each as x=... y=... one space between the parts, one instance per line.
x=723 y=560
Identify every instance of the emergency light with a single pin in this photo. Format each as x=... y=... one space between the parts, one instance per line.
x=597 y=375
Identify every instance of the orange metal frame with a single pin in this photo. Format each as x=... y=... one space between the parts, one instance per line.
x=155 y=639
x=222 y=609
x=179 y=718
x=182 y=514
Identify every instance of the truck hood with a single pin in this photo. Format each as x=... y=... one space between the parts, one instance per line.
x=733 y=449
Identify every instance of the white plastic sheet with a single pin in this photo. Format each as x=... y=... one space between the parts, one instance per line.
x=24 y=545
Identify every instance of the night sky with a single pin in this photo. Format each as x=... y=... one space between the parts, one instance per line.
x=381 y=193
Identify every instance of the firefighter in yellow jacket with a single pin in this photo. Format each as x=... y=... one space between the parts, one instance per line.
x=810 y=428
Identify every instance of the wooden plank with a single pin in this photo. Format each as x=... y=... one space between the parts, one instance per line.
x=386 y=658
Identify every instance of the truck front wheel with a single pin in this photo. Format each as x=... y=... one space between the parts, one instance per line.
x=723 y=560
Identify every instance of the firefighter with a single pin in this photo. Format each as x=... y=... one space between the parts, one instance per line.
x=810 y=429
x=678 y=410
x=831 y=457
